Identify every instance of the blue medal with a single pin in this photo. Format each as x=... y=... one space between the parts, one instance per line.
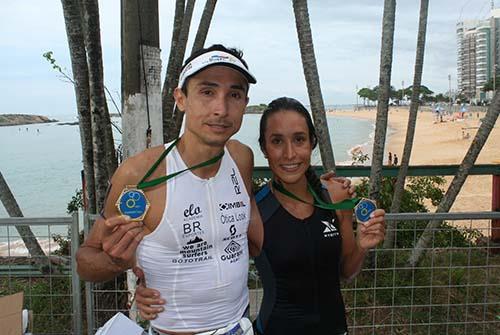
x=133 y=203
x=363 y=210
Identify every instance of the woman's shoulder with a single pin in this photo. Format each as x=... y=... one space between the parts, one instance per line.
x=266 y=202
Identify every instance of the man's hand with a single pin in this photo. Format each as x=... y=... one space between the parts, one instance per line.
x=120 y=239
x=372 y=232
x=148 y=300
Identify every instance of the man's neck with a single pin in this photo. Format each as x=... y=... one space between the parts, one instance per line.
x=194 y=152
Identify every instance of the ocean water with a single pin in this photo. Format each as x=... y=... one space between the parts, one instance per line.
x=42 y=163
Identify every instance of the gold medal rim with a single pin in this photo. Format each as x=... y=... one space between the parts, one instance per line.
x=355 y=208
x=133 y=188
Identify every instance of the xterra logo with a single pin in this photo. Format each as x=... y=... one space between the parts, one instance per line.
x=231 y=205
x=330 y=229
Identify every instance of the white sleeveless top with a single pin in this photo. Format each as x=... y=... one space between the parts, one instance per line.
x=197 y=257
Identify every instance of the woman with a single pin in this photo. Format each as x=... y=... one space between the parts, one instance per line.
x=306 y=249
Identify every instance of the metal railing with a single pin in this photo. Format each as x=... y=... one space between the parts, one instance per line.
x=52 y=291
x=455 y=289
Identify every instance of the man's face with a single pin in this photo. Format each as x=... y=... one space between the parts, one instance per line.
x=214 y=105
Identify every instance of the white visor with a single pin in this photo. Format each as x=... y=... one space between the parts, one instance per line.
x=212 y=58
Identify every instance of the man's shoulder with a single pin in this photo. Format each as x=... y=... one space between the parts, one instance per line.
x=134 y=167
x=240 y=152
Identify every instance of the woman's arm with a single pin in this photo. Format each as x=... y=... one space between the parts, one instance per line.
x=356 y=246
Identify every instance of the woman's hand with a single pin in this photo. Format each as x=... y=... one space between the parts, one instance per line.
x=339 y=188
x=372 y=232
x=149 y=302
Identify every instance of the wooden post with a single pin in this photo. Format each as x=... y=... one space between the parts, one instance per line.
x=495 y=206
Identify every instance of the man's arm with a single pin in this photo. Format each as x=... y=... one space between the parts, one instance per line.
x=109 y=249
x=243 y=157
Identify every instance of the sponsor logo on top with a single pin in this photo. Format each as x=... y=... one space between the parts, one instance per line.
x=330 y=229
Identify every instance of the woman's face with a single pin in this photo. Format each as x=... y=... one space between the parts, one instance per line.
x=288 y=146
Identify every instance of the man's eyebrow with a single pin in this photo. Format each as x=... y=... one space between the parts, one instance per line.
x=213 y=84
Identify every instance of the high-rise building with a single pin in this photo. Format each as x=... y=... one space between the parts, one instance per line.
x=478 y=51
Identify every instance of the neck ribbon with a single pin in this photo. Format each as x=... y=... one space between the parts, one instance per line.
x=145 y=184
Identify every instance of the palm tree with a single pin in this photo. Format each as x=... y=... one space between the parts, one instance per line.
x=312 y=81
x=412 y=121
x=73 y=23
x=104 y=155
x=12 y=208
x=383 y=97
x=206 y=19
x=487 y=124
x=199 y=42
x=170 y=130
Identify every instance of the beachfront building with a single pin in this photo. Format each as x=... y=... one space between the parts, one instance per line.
x=478 y=50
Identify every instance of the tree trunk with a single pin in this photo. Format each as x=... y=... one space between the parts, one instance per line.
x=100 y=116
x=199 y=41
x=175 y=125
x=487 y=124
x=412 y=122
x=204 y=26
x=383 y=97
x=25 y=232
x=312 y=81
x=76 y=44
x=167 y=114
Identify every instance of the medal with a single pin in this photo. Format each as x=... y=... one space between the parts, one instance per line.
x=363 y=210
x=133 y=203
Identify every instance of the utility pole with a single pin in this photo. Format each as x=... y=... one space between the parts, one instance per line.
x=449 y=81
x=403 y=90
x=357 y=97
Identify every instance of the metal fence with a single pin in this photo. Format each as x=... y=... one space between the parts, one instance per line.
x=454 y=289
x=51 y=285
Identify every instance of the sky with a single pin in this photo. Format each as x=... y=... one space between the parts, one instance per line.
x=346 y=36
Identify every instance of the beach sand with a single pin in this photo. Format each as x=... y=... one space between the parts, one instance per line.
x=442 y=143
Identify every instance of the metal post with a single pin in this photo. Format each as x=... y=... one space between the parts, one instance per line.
x=402 y=90
x=75 y=279
x=89 y=298
x=357 y=97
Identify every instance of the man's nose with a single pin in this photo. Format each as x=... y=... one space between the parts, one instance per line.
x=221 y=106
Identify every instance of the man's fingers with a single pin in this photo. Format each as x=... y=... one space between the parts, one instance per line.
x=127 y=245
x=147 y=316
x=138 y=273
x=111 y=223
x=118 y=234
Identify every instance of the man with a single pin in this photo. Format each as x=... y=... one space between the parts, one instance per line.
x=194 y=247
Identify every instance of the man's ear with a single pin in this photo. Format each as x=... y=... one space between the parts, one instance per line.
x=180 y=99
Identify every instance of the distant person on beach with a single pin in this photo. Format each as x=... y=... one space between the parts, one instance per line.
x=395 y=159
x=201 y=221
x=307 y=249
x=390 y=158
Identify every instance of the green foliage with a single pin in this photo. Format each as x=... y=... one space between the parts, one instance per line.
x=76 y=202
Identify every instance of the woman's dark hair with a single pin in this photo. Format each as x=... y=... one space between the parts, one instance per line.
x=290 y=104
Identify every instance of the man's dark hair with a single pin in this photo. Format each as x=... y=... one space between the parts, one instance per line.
x=216 y=47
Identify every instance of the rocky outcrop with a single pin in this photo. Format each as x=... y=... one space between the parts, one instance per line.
x=19 y=119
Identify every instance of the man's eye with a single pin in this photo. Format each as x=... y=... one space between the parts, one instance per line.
x=206 y=92
x=276 y=141
x=236 y=95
